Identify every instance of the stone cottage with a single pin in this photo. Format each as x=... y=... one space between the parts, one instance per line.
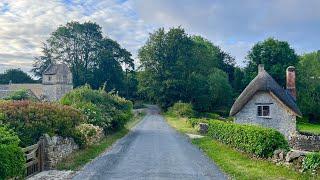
x=56 y=81
x=264 y=102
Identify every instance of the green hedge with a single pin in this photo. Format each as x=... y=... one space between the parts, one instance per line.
x=312 y=162
x=30 y=120
x=106 y=110
x=252 y=139
x=12 y=159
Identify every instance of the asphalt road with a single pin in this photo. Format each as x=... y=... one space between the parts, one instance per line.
x=153 y=150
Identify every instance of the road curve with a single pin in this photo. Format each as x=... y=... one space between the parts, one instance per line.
x=152 y=150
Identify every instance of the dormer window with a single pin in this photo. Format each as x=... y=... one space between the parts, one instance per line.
x=263 y=110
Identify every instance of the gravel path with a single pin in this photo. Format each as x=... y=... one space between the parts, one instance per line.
x=153 y=150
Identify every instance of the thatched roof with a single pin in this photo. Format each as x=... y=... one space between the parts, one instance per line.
x=264 y=82
x=56 y=68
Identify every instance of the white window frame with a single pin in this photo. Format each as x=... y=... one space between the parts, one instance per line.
x=263 y=111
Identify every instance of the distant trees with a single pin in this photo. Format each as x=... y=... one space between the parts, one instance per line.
x=178 y=67
x=92 y=58
x=308 y=74
x=15 y=76
x=275 y=55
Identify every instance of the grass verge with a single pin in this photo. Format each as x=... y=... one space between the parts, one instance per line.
x=236 y=164
x=180 y=124
x=305 y=127
x=80 y=157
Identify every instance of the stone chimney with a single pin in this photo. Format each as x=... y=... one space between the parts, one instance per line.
x=291 y=81
x=260 y=68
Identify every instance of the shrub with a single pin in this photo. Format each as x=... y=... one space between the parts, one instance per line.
x=252 y=139
x=103 y=109
x=30 y=120
x=12 y=159
x=88 y=134
x=311 y=162
x=22 y=94
x=195 y=121
x=182 y=109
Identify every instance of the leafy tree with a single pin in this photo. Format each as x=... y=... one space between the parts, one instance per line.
x=308 y=76
x=275 y=55
x=15 y=76
x=177 y=67
x=92 y=58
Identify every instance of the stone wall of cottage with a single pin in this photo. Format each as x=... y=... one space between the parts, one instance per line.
x=57 y=148
x=305 y=142
x=281 y=118
x=55 y=91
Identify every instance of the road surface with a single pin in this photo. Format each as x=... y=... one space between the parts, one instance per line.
x=153 y=150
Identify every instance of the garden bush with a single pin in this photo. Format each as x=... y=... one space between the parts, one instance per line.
x=195 y=121
x=12 y=159
x=182 y=109
x=103 y=109
x=30 y=120
x=22 y=94
x=311 y=162
x=88 y=134
x=256 y=140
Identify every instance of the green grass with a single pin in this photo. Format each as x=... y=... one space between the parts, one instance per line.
x=234 y=163
x=241 y=166
x=180 y=124
x=305 y=127
x=82 y=156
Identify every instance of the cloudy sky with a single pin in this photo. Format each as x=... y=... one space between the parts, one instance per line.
x=232 y=24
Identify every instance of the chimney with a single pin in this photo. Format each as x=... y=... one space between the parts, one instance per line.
x=260 y=68
x=291 y=81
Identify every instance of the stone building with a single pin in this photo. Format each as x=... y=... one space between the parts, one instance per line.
x=56 y=81
x=264 y=102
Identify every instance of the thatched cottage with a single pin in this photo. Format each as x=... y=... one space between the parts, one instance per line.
x=56 y=81
x=264 y=102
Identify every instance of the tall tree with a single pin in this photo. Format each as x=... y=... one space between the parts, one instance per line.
x=275 y=55
x=15 y=76
x=176 y=67
x=308 y=87
x=92 y=58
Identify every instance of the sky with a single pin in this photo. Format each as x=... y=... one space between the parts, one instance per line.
x=233 y=25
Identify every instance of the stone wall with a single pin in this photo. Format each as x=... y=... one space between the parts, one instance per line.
x=305 y=142
x=280 y=118
x=57 y=148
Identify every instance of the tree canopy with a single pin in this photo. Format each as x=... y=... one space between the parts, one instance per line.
x=92 y=58
x=308 y=75
x=275 y=55
x=175 y=67
x=15 y=76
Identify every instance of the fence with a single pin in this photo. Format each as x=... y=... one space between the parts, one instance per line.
x=34 y=158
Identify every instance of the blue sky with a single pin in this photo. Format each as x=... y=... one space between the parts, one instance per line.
x=233 y=25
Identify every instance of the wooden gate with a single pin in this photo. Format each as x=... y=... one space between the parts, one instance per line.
x=34 y=158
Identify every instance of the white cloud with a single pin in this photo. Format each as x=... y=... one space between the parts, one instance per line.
x=24 y=25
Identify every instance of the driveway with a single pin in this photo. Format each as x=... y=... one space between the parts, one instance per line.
x=152 y=150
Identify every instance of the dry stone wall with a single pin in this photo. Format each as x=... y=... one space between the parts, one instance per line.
x=305 y=142
x=57 y=148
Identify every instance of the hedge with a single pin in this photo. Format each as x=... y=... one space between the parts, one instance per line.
x=255 y=140
x=30 y=120
x=106 y=110
x=312 y=162
x=12 y=159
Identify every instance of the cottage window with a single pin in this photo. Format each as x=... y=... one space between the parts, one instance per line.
x=49 y=78
x=263 y=111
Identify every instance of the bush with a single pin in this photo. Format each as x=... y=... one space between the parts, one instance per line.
x=195 y=121
x=103 y=109
x=252 y=139
x=30 y=120
x=311 y=162
x=22 y=94
x=182 y=109
x=12 y=159
x=88 y=134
